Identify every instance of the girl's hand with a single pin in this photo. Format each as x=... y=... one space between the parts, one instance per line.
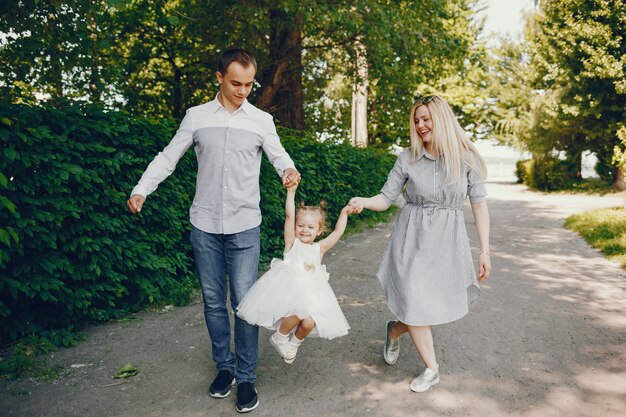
x=484 y=266
x=291 y=177
x=356 y=204
x=293 y=187
x=348 y=209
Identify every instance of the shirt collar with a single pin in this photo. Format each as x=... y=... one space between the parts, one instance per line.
x=426 y=154
x=245 y=107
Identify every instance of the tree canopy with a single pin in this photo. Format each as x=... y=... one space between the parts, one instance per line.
x=159 y=57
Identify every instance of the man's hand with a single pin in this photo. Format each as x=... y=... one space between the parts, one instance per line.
x=135 y=203
x=291 y=177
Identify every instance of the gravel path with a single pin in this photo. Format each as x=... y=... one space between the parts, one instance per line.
x=547 y=337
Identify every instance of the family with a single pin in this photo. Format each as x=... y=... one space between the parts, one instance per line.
x=426 y=271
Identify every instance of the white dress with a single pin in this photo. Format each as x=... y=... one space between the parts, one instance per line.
x=297 y=285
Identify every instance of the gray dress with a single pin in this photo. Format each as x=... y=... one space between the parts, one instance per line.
x=427 y=271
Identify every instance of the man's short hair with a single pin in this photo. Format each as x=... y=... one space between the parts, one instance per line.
x=235 y=55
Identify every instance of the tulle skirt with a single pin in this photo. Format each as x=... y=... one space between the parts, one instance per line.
x=286 y=290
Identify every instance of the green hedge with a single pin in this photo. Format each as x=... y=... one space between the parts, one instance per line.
x=71 y=254
x=546 y=173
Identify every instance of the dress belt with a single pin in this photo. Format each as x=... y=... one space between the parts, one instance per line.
x=433 y=208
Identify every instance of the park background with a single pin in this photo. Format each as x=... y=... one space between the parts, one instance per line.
x=91 y=90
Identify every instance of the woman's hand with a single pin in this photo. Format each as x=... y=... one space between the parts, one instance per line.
x=356 y=205
x=484 y=266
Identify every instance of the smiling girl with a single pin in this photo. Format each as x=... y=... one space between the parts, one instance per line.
x=294 y=297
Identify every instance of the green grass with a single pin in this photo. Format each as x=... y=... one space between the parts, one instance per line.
x=27 y=360
x=604 y=229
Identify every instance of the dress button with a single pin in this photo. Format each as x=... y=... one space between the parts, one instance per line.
x=226 y=188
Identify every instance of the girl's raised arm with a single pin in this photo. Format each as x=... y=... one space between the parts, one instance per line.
x=340 y=227
x=290 y=217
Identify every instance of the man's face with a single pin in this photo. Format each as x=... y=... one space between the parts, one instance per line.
x=236 y=84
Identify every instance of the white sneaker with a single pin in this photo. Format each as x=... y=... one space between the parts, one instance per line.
x=285 y=349
x=427 y=379
x=290 y=353
x=391 y=350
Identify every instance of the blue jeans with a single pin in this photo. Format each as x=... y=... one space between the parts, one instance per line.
x=237 y=255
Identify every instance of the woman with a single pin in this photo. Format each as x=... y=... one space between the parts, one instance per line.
x=427 y=271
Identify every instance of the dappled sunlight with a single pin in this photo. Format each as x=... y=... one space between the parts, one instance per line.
x=360 y=367
x=603 y=382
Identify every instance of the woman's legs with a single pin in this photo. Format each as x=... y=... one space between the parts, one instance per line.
x=422 y=337
x=398 y=329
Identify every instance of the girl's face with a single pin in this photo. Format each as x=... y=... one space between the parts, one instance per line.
x=423 y=124
x=308 y=226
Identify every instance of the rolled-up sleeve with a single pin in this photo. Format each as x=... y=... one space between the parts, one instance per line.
x=274 y=150
x=396 y=180
x=475 y=182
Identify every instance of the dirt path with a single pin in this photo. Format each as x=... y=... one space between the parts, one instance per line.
x=546 y=338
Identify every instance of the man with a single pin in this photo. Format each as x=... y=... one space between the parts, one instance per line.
x=228 y=135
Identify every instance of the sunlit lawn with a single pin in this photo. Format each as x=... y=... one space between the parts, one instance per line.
x=604 y=229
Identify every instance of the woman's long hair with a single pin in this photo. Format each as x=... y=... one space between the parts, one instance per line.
x=449 y=140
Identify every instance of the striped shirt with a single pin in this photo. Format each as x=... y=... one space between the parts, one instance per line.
x=228 y=148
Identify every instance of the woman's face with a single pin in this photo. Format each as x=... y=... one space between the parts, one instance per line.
x=423 y=123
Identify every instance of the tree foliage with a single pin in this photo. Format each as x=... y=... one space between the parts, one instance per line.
x=158 y=58
x=573 y=95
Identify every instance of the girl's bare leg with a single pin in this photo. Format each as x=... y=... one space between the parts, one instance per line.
x=288 y=323
x=304 y=328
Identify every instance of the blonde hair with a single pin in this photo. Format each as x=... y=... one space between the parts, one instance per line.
x=448 y=139
x=321 y=210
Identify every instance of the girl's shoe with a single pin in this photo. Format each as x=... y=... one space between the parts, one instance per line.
x=290 y=354
x=427 y=379
x=285 y=349
x=391 y=351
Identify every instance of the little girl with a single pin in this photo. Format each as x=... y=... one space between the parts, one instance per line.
x=294 y=293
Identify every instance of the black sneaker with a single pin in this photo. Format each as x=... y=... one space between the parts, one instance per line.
x=220 y=387
x=247 y=398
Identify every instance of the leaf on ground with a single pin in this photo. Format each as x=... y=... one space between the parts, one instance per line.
x=126 y=371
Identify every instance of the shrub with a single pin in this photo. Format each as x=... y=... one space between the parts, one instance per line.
x=546 y=173
x=552 y=174
x=70 y=253
x=522 y=170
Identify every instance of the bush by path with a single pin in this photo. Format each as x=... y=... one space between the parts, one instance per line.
x=70 y=253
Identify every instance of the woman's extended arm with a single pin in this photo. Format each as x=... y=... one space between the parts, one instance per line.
x=375 y=203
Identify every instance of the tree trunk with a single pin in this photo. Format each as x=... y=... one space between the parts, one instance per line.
x=619 y=182
x=359 y=97
x=281 y=82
